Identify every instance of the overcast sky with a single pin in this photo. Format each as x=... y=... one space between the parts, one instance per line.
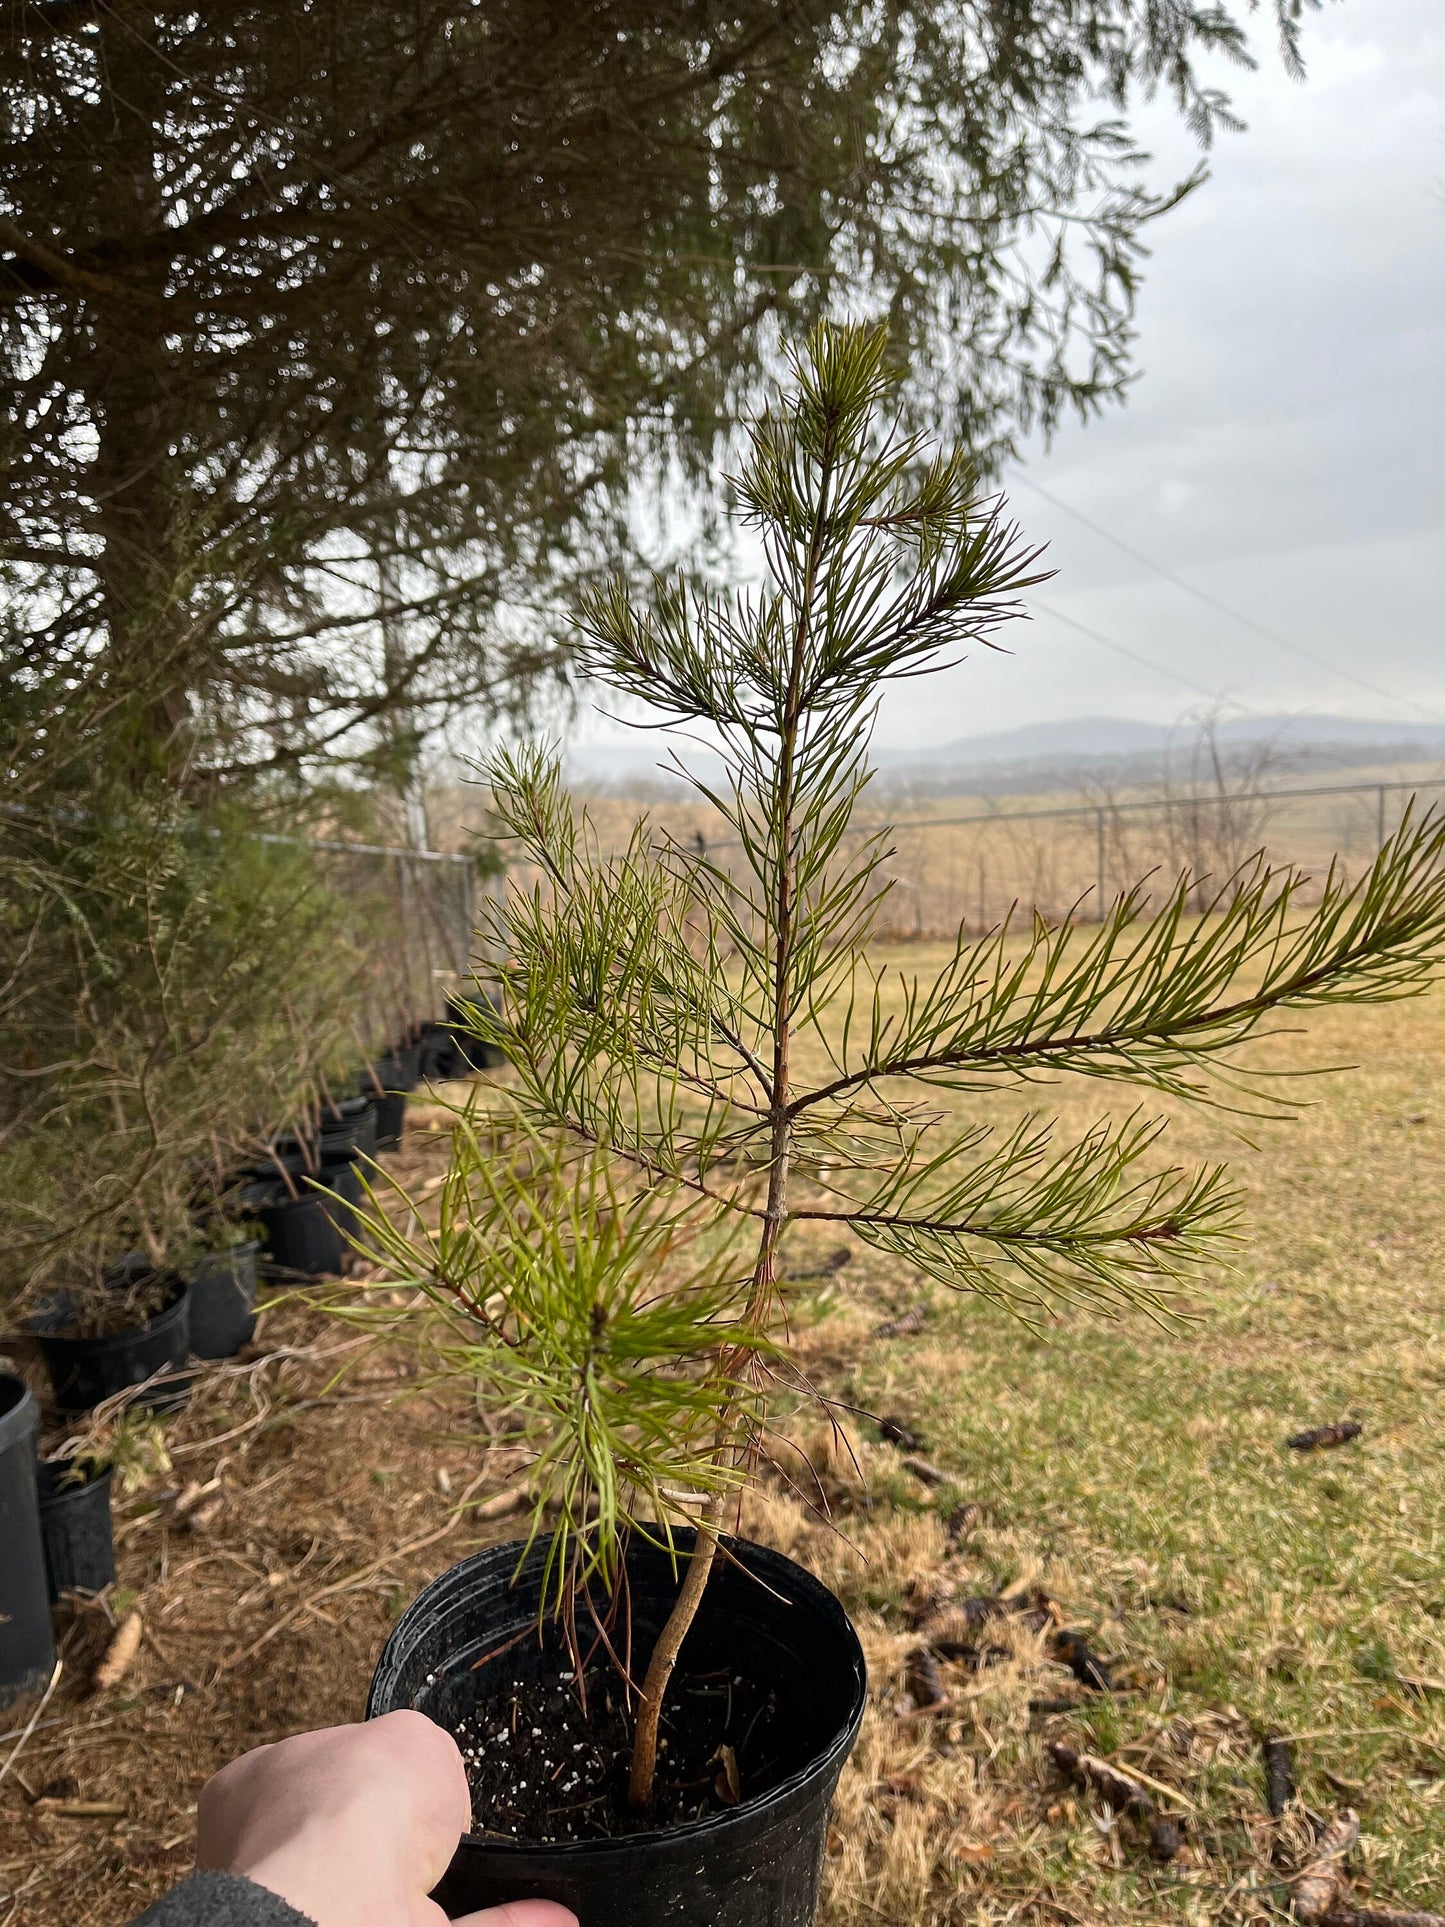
x=1282 y=449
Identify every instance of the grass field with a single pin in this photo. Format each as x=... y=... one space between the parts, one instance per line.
x=1137 y=1477
x=1240 y=1588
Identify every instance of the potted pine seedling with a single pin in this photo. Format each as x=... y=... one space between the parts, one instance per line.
x=110 y=1323
x=76 y=1483
x=384 y=1083
x=220 y=1268
x=308 y=1186
x=653 y=1711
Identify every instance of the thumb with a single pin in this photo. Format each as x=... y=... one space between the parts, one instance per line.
x=521 y=1913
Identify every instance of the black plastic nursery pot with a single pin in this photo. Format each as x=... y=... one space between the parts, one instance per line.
x=390 y=1120
x=27 y=1650
x=442 y=1058
x=344 y=1179
x=756 y=1864
x=395 y=1071
x=86 y=1371
x=346 y=1126
x=285 y=1156
x=300 y=1233
x=223 y=1298
x=76 y=1527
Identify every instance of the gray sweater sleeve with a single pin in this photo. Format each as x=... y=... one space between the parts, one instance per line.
x=220 y=1900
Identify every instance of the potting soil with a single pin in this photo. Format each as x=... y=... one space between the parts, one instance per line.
x=545 y=1767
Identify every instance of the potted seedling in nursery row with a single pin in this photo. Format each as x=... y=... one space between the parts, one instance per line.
x=124 y=1448
x=112 y=1323
x=653 y=1711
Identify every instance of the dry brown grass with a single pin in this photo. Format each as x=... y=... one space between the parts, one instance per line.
x=1135 y=1477
x=968 y=858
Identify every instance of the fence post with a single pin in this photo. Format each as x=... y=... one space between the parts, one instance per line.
x=1380 y=818
x=1099 y=853
x=469 y=915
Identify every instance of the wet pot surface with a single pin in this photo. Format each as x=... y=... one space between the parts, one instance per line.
x=769 y=1638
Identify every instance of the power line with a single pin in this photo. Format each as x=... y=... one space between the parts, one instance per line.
x=1225 y=608
x=1122 y=649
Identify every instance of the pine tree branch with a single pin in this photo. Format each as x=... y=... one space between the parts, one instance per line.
x=1143 y=1231
x=754 y=1064
x=1389 y=937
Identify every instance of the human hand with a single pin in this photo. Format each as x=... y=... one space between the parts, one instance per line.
x=353 y=1825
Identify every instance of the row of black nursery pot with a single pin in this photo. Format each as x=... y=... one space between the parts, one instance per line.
x=55 y=1517
x=304 y=1195
x=207 y=1311
x=440 y=1053
x=293 y=1210
x=301 y=1201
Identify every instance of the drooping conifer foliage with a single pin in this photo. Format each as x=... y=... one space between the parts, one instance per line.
x=335 y=334
x=706 y=1053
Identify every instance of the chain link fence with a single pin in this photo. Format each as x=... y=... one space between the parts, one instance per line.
x=410 y=915
x=1069 y=861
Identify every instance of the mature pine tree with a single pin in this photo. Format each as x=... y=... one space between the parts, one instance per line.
x=334 y=331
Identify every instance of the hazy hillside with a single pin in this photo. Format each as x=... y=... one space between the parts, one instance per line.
x=1062 y=755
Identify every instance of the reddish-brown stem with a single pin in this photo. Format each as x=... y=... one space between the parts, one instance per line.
x=664 y=1658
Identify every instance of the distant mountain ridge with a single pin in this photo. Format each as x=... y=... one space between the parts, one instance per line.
x=1095 y=736
x=1058 y=755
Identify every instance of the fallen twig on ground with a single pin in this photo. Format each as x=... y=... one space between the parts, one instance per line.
x=357 y=1578
x=1121 y=1790
x=924 y=1471
x=1381 y=1917
x=906 y=1325
x=34 y=1720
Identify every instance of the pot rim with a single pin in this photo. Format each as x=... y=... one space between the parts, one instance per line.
x=218 y=1253
x=574 y=1851
x=20 y=1414
x=67 y=1494
x=55 y=1333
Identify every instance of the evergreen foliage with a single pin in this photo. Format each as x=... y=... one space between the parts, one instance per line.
x=335 y=335
x=173 y=990
x=704 y=1055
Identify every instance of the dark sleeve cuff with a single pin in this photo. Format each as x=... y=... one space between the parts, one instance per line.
x=221 y=1900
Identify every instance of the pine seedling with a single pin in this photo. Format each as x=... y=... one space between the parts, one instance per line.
x=608 y=1265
